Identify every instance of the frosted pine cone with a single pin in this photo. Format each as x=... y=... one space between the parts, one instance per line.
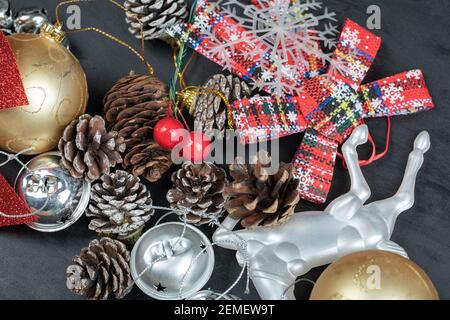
x=199 y=188
x=88 y=150
x=155 y=15
x=120 y=205
x=100 y=270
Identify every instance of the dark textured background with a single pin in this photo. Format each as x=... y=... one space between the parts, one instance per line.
x=416 y=34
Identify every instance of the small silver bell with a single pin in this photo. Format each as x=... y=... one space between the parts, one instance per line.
x=6 y=20
x=48 y=187
x=170 y=258
x=30 y=20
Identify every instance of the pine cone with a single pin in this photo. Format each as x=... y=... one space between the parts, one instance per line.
x=155 y=15
x=259 y=198
x=88 y=150
x=199 y=188
x=210 y=112
x=120 y=205
x=134 y=105
x=100 y=270
x=148 y=160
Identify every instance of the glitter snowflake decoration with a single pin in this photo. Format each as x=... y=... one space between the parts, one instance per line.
x=288 y=34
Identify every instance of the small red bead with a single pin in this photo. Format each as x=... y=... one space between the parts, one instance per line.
x=168 y=132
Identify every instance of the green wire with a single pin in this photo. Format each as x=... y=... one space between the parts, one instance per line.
x=179 y=60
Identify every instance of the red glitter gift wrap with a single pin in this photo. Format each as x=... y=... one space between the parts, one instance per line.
x=12 y=204
x=12 y=92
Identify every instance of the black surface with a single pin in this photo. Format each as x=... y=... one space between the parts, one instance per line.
x=416 y=34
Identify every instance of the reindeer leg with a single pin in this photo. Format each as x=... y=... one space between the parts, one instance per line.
x=345 y=207
x=405 y=194
x=274 y=287
x=403 y=200
x=224 y=235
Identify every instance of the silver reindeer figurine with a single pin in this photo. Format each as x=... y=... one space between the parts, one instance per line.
x=277 y=256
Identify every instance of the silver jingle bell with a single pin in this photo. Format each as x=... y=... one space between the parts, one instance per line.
x=49 y=189
x=6 y=20
x=212 y=295
x=30 y=20
x=167 y=267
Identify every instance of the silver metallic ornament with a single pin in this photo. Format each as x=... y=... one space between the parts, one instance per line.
x=277 y=256
x=48 y=188
x=212 y=295
x=161 y=259
x=6 y=19
x=30 y=20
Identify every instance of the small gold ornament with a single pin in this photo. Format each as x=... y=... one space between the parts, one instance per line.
x=374 y=275
x=56 y=87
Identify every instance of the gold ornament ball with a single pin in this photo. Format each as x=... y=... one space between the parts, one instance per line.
x=374 y=275
x=56 y=87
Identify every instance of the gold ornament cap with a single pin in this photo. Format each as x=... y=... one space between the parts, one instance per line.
x=53 y=32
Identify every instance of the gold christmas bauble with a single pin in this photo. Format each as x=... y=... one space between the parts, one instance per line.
x=56 y=87
x=374 y=275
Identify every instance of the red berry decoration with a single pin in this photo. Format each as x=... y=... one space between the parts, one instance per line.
x=168 y=132
x=196 y=146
